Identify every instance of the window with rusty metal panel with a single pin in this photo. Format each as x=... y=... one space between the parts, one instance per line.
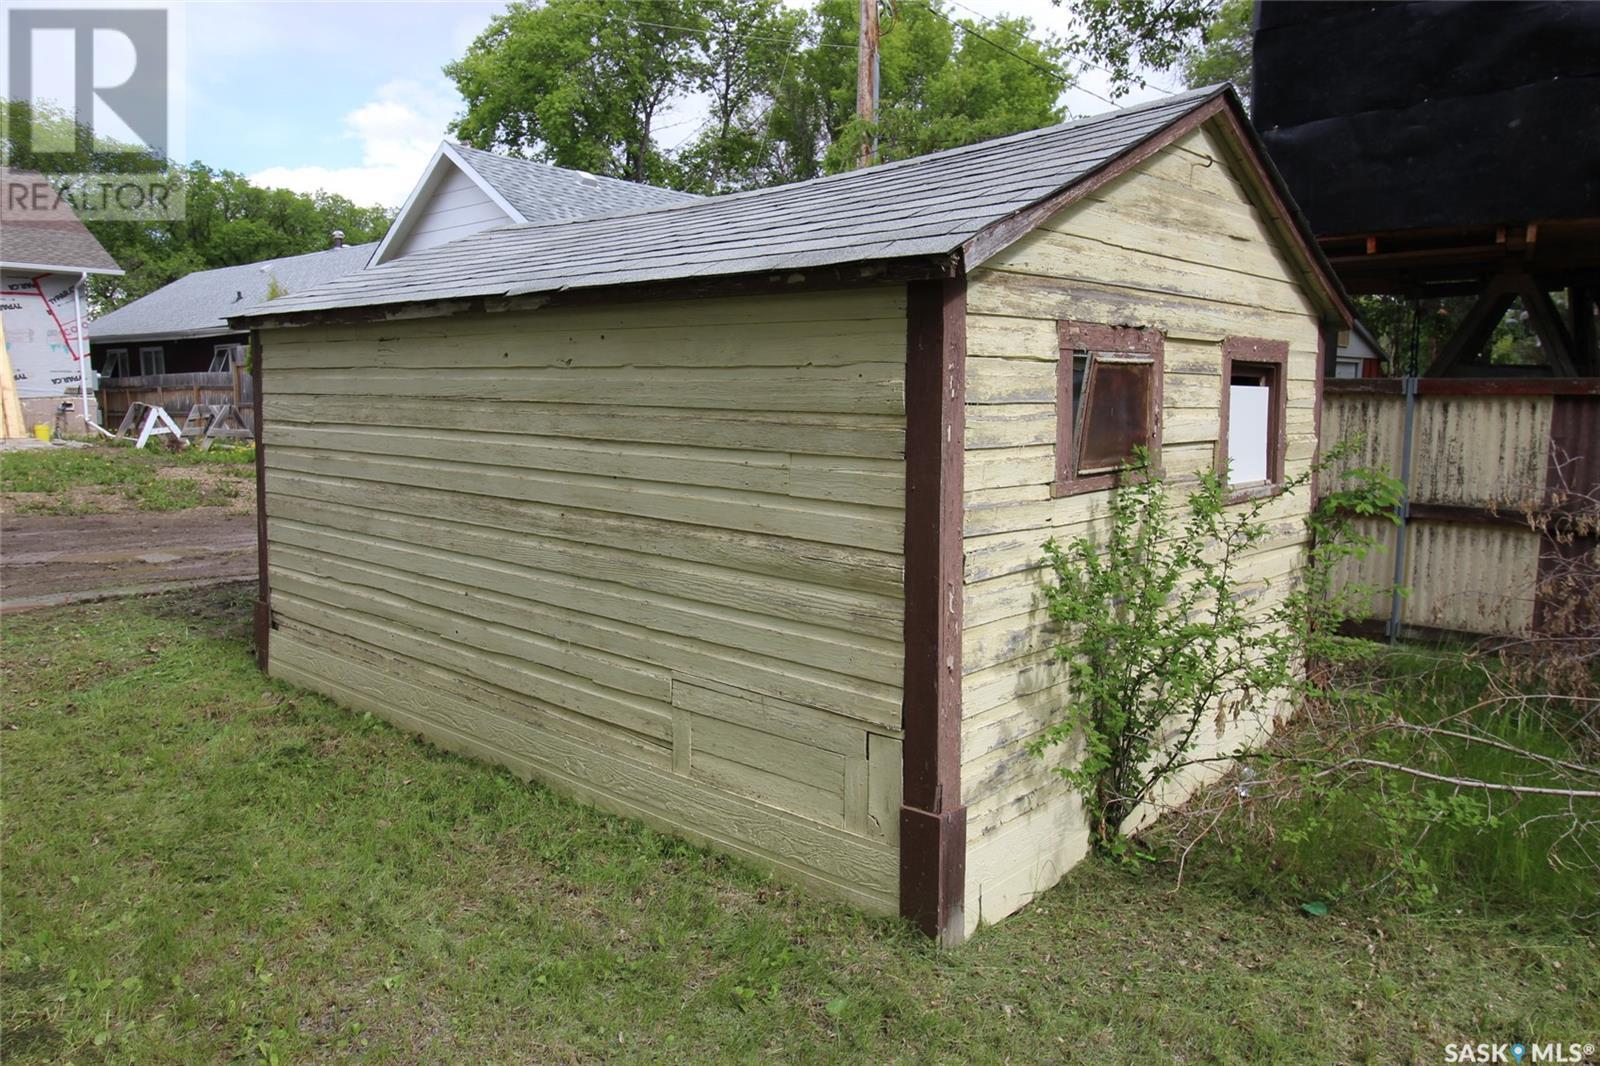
x=1108 y=403
x=1116 y=412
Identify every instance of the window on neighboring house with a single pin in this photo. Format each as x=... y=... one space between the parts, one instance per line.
x=152 y=360
x=222 y=357
x=1252 y=440
x=1347 y=368
x=115 y=363
x=1108 y=403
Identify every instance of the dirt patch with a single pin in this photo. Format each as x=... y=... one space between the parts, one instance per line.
x=50 y=559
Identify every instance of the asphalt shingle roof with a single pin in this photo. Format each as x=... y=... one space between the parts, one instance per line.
x=44 y=232
x=198 y=304
x=926 y=206
x=545 y=193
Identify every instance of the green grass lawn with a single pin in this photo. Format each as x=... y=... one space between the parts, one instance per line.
x=203 y=865
x=103 y=477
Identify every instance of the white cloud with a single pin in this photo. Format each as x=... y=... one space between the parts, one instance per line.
x=398 y=130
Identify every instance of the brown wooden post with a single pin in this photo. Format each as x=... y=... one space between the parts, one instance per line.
x=933 y=821
x=263 y=587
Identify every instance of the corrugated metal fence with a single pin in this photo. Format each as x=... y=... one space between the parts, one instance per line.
x=1488 y=465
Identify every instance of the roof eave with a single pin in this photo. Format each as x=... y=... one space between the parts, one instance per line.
x=160 y=335
x=1225 y=106
x=838 y=275
x=58 y=268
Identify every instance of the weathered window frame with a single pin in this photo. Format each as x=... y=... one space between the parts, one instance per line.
x=1091 y=338
x=116 y=359
x=1271 y=358
x=155 y=353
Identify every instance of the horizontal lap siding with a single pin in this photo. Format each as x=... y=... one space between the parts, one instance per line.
x=455 y=209
x=1175 y=245
x=651 y=555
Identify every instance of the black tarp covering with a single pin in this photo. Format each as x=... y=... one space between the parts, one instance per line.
x=1397 y=116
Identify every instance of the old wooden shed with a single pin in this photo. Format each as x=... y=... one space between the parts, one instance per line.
x=727 y=515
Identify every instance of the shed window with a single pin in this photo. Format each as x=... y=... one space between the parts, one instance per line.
x=116 y=363
x=152 y=360
x=1251 y=441
x=1108 y=403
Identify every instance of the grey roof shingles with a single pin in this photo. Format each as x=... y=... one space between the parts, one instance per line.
x=927 y=206
x=43 y=231
x=545 y=193
x=197 y=305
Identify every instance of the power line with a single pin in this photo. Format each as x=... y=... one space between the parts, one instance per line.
x=703 y=31
x=1074 y=56
x=970 y=32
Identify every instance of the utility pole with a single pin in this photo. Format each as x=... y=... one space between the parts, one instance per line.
x=867 y=79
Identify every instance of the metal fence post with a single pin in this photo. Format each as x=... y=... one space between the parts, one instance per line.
x=1391 y=628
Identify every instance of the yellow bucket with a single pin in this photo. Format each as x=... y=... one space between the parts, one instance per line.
x=41 y=430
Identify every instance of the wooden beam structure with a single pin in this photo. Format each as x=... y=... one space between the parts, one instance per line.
x=1513 y=282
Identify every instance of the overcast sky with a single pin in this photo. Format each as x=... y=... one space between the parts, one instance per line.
x=349 y=96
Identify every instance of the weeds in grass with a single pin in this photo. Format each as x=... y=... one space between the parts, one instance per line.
x=51 y=476
x=1323 y=812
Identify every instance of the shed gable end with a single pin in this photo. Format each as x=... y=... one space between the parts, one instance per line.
x=1183 y=251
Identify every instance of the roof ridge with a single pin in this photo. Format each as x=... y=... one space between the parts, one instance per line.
x=1195 y=96
x=583 y=174
x=915 y=212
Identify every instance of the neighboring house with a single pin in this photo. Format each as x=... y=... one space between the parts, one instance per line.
x=46 y=256
x=728 y=515
x=174 y=347
x=1360 y=354
x=465 y=190
x=182 y=327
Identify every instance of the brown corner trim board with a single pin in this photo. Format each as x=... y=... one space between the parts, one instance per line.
x=263 y=589
x=933 y=821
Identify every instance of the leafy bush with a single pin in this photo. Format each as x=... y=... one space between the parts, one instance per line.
x=1164 y=629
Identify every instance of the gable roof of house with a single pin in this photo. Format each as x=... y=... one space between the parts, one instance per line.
x=969 y=201
x=542 y=192
x=43 y=234
x=198 y=304
x=525 y=191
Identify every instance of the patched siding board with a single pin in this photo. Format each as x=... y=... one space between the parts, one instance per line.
x=619 y=556
x=1175 y=245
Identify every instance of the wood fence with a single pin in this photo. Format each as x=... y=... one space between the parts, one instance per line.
x=1494 y=472
x=176 y=392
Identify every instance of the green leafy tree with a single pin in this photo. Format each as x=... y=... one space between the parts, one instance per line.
x=227 y=220
x=1223 y=52
x=945 y=82
x=580 y=83
x=748 y=48
x=1126 y=36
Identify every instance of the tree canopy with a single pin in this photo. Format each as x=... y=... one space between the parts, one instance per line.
x=584 y=83
x=227 y=220
x=1223 y=52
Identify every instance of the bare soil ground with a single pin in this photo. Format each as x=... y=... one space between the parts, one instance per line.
x=47 y=560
